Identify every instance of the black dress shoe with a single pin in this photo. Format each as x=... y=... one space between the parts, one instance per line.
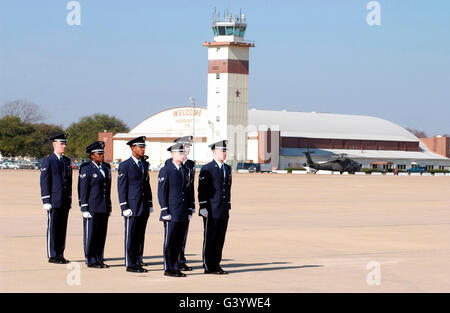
x=61 y=260
x=134 y=269
x=218 y=272
x=170 y=273
x=180 y=274
x=174 y=274
x=141 y=264
x=143 y=270
x=184 y=267
x=103 y=265
x=94 y=265
x=221 y=272
x=52 y=260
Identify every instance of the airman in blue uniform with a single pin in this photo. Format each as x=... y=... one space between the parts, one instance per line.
x=214 y=198
x=135 y=198
x=189 y=168
x=94 y=193
x=175 y=201
x=56 y=195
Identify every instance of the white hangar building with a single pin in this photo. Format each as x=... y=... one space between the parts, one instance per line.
x=281 y=137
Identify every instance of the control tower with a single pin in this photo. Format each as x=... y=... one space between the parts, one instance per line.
x=228 y=60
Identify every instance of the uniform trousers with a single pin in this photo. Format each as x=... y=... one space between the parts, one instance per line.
x=94 y=237
x=182 y=259
x=56 y=232
x=134 y=239
x=174 y=233
x=214 y=231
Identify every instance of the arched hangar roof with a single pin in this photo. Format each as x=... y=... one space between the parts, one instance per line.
x=178 y=122
x=329 y=125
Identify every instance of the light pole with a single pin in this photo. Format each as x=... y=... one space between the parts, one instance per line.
x=192 y=102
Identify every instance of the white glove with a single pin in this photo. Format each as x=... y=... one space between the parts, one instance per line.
x=167 y=217
x=87 y=215
x=189 y=217
x=127 y=213
x=151 y=209
x=47 y=206
x=204 y=212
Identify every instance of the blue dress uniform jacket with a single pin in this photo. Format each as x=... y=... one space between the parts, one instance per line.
x=134 y=187
x=94 y=193
x=175 y=200
x=189 y=167
x=56 y=189
x=134 y=190
x=214 y=190
x=173 y=194
x=94 y=190
x=56 y=182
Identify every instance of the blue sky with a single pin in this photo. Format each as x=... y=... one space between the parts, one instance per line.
x=132 y=59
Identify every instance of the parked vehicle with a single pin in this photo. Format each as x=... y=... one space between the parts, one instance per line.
x=114 y=165
x=11 y=165
x=265 y=167
x=255 y=167
x=22 y=164
x=36 y=163
x=417 y=169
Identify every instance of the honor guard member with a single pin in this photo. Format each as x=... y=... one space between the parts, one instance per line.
x=94 y=194
x=214 y=195
x=135 y=198
x=175 y=201
x=189 y=167
x=56 y=195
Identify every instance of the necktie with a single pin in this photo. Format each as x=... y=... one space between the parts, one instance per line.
x=101 y=170
x=181 y=172
x=224 y=171
x=61 y=161
x=141 y=166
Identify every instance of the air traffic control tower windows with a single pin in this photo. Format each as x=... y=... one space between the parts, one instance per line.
x=236 y=30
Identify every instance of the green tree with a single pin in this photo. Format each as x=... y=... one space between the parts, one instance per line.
x=85 y=131
x=18 y=138
x=14 y=136
x=38 y=144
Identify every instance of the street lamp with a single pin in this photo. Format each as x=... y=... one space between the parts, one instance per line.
x=192 y=102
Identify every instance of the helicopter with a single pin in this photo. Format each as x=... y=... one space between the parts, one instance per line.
x=341 y=164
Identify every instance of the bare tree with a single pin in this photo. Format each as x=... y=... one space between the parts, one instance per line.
x=27 y=111
x=417 y=133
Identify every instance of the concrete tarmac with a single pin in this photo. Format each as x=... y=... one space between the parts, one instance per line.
x=287 y=233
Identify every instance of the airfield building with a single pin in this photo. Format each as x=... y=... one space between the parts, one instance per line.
x=264 y=136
